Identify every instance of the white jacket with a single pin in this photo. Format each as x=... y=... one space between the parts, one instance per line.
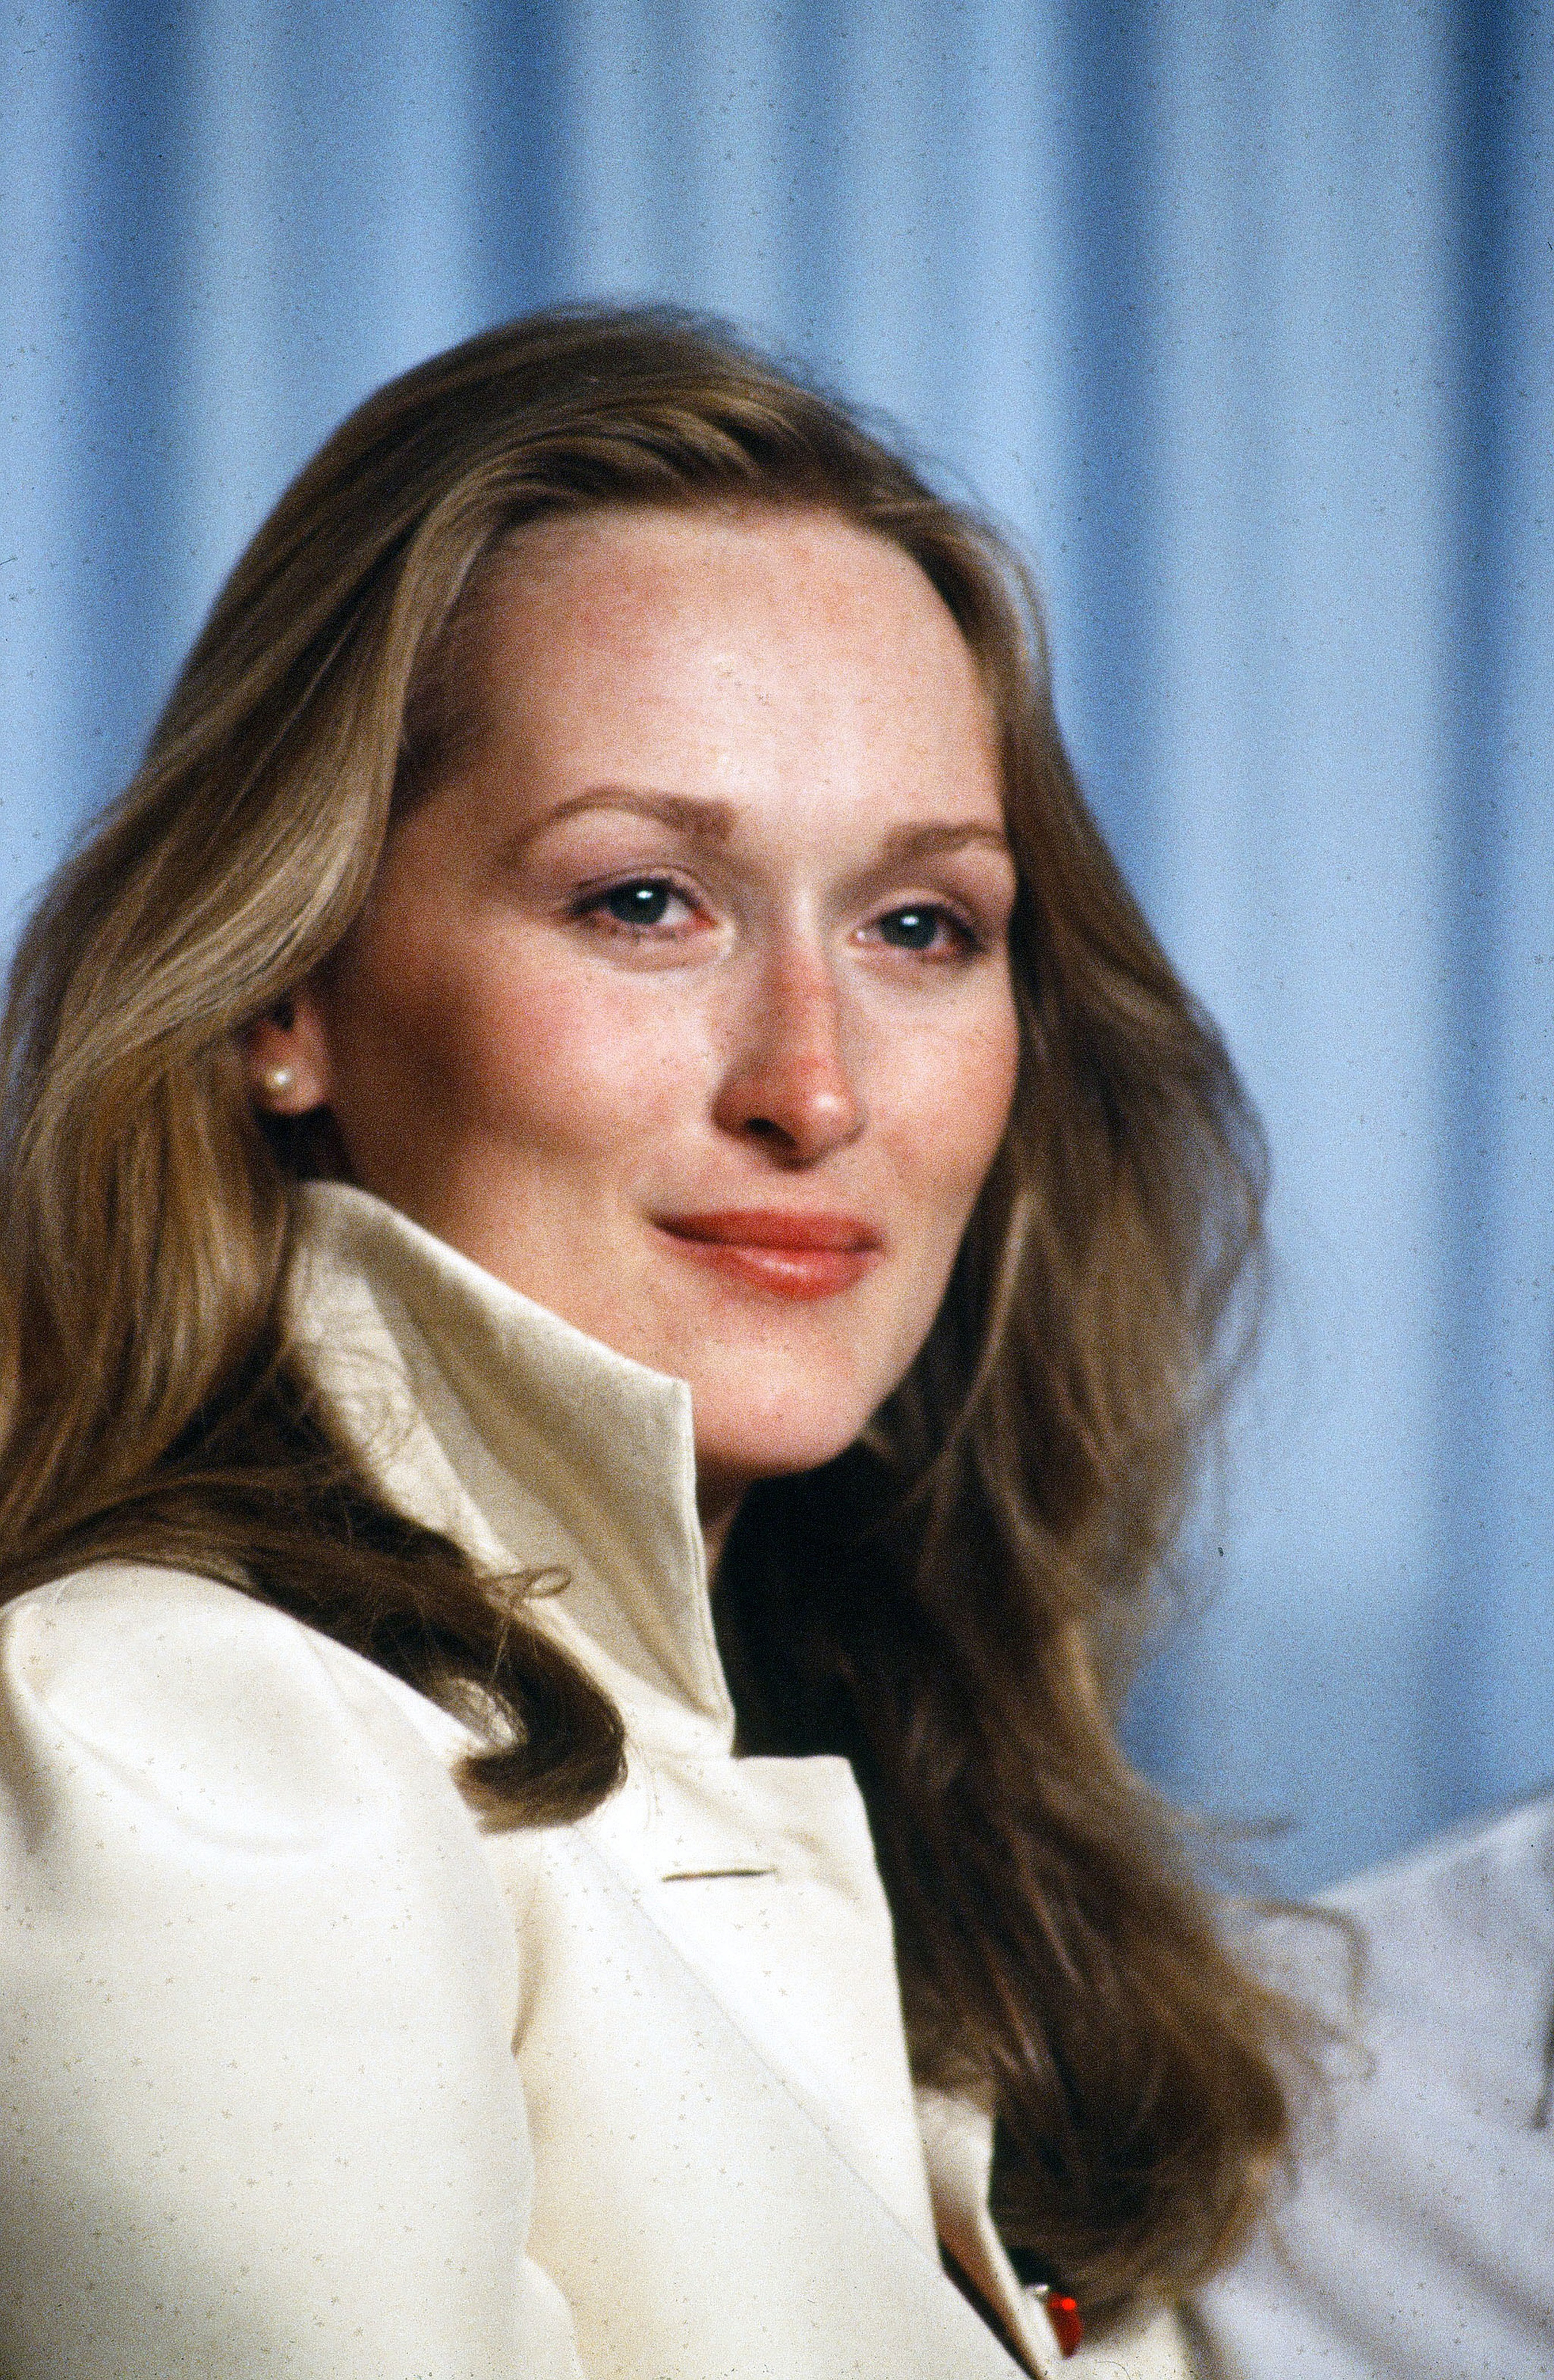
x=303 y=2074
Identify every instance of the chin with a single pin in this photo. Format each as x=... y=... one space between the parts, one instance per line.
x=741 y=1455
x=772 y=1421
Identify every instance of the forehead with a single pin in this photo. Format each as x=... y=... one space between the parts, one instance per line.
x=724 y=623
x=662 y=553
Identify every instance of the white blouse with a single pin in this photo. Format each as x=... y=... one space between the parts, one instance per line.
x=1419 y=2244
x=304 y=2074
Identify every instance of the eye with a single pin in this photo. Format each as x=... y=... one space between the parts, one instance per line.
x=640 y=905
x=910 y=929
x=643 y=904
x=927 y=927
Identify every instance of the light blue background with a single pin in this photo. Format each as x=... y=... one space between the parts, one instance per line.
x=1243 y=317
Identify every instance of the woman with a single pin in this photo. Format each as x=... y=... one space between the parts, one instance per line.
x=602 y=1049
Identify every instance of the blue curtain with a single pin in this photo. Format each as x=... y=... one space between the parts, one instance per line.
x=1243 y=316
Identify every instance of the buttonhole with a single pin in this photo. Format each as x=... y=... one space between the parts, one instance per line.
x=711 y=1875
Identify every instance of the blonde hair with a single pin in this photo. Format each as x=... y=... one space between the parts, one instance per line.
x=1005 y=1517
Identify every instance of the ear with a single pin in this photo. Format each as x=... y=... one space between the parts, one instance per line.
x=286 y=1056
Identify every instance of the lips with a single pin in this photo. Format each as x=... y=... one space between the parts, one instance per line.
x=788 y=1255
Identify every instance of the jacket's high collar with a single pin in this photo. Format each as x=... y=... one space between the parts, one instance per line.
x=532 y=1446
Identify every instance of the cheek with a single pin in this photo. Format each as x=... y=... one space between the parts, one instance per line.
x=946 y=1126
x=514 y=1046
x=950 y=1115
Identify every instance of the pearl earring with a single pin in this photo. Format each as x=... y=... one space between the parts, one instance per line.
x=278 y=1080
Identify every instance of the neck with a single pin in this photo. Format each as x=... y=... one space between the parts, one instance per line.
x=717 y=1505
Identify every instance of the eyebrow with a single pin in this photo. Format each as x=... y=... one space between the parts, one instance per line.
x=907 y=843
x=701 y=821
x=706 y=820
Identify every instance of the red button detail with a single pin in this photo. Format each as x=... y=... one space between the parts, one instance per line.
x=1065 y=2318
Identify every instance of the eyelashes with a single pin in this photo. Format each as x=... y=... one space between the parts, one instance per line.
x=638 y=908
x=930 y=929
x=642 y=909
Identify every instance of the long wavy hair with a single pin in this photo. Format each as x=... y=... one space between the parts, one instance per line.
x=1004 y=1524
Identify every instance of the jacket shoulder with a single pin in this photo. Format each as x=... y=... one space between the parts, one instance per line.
x=218 y=1705
x=258 y=2099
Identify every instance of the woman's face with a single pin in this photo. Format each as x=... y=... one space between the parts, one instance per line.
x=681 y=1003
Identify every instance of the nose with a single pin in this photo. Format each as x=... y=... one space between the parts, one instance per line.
x=789 y=1082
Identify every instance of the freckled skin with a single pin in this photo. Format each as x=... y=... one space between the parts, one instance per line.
x=710 y=918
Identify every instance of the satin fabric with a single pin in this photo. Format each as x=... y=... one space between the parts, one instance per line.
x=1419 y=2244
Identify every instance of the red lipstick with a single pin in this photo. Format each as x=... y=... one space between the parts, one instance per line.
x=788 y=1255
